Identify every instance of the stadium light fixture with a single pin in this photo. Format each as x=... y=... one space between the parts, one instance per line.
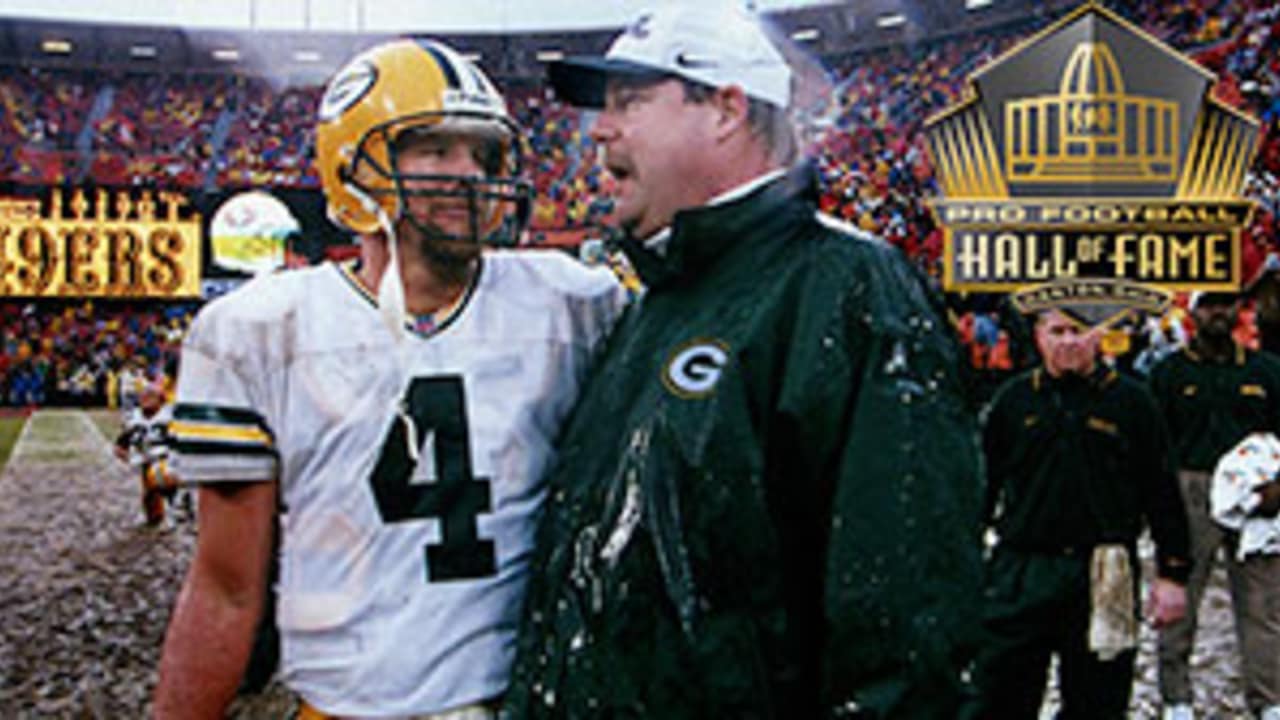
x=808 y=34
x=56 y=46
x=306 y=56
x=549 y=55
x=976 y=4
x=143 y=52
x=891 y=20
x=226 y=54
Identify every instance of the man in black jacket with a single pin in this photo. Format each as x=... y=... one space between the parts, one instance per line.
x=1213 y=394
x=763 y=505
x=1076 y=460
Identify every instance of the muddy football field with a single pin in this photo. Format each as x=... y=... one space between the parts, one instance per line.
x=86 y=590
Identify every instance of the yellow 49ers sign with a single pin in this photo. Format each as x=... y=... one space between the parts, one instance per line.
x=142 y=244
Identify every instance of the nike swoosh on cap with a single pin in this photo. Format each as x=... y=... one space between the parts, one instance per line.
x=684 y=60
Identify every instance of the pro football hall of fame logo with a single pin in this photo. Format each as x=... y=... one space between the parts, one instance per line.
x=1090 y=169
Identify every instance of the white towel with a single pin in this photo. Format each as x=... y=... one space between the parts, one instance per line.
x=1232 y=496
x=1113 y=622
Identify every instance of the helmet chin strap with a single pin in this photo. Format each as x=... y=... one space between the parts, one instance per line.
x=391 y=301
x=391 y=306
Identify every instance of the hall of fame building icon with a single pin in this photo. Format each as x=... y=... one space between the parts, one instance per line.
x=1091 y=167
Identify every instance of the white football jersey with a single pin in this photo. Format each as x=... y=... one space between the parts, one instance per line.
x=147 y=438
x=402 y=564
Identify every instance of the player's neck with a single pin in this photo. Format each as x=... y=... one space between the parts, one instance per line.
x=430 y=283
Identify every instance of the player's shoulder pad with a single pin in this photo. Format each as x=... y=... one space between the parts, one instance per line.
x=134 y=418
x=258 y=306
x=585 y=300
x=267 y=297
x=165 y=413
x=555 y=271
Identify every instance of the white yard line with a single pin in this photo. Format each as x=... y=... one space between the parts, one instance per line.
x=52 y=436
x=94 y=434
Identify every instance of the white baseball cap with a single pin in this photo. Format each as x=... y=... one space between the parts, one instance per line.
x=715 y=45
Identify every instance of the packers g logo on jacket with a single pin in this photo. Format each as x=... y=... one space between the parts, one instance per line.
x=694 y=368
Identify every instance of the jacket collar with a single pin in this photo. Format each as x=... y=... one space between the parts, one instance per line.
x=1196 y=357
x=1101 y=377
x=699 y=236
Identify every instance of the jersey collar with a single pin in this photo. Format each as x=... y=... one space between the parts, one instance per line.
x=424 y=325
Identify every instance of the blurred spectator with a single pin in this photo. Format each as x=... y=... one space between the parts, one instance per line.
x=61 y=353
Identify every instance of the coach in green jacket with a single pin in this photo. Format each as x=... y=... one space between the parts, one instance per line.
x=765 y=504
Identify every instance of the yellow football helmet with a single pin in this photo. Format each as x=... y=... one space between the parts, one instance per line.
x=404 y=87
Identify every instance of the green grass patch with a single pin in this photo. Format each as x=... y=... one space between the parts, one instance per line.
x=10 y=428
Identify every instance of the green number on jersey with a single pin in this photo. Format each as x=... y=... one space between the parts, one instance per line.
x=456 y=498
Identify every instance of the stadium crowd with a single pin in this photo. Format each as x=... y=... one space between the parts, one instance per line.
x=221 y=131
x=84 y=353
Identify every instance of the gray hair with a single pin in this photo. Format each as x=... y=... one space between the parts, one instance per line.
x=769 y=122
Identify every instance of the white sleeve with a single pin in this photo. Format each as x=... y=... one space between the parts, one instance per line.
x=219 y=430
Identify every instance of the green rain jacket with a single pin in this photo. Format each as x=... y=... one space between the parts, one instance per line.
x=766 y=503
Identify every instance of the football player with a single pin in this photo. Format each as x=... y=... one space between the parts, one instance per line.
x=398 y=414
x=144 y=444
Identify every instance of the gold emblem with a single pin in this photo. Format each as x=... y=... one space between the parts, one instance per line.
x=1091 y=128
x=1090 y=168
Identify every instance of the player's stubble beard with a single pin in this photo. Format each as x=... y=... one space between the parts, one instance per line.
x=451 y=258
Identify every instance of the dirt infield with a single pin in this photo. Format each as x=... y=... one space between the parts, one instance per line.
x=86 y=590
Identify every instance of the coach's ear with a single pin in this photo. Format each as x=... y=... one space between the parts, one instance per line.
x=731 y=105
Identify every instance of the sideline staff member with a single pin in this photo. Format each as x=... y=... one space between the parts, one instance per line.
x=1076 y=459
x=1213 y=394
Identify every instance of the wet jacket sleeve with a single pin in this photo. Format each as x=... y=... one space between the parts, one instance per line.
x=995 y=448
x=903 y=565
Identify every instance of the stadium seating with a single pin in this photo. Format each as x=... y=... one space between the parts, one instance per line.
x=228 y=132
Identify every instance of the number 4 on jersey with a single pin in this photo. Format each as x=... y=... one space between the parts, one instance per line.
x=437 y=406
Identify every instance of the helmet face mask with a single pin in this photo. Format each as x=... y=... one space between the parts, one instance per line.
x=498 y=199
x=387 y=98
